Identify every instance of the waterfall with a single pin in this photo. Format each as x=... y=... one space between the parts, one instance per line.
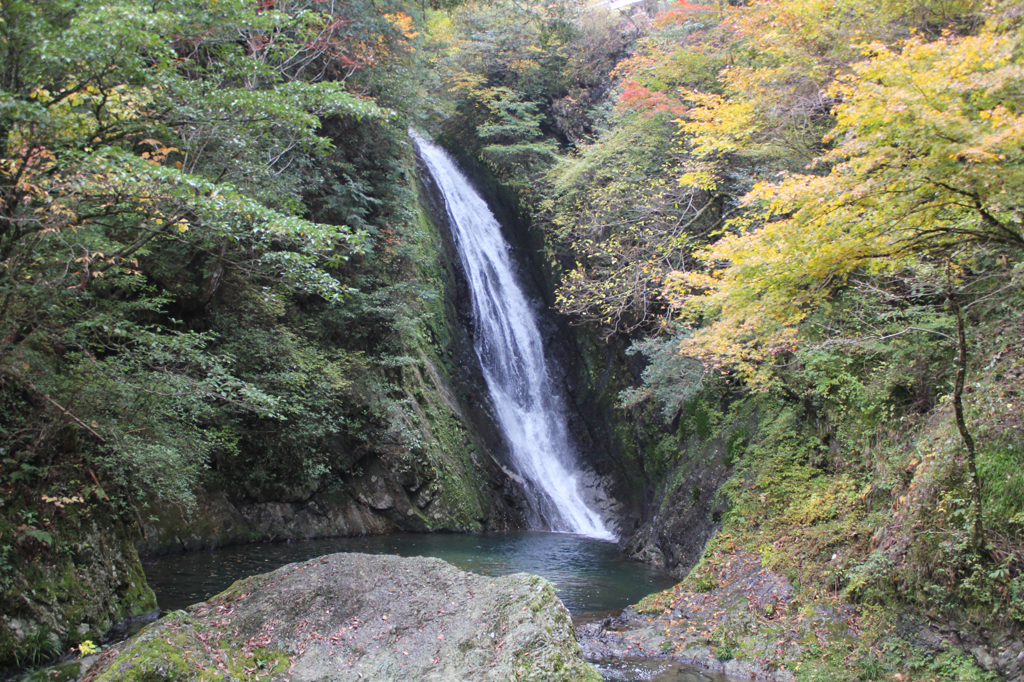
x=508 y=344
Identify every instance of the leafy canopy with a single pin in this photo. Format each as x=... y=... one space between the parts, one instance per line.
x=144 y=150
x=928 y=154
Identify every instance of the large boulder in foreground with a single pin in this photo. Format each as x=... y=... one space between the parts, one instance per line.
x=361 y=617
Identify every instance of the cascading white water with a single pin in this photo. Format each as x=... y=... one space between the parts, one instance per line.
x=511 y=354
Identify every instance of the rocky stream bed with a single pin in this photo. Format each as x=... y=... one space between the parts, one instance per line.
x=350 y=616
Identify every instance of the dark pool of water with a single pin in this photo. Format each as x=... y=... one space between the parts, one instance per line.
x=591 y=576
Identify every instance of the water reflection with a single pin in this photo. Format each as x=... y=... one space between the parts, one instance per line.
x=591 y=576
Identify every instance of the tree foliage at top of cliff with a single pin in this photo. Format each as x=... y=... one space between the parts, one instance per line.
x=520 y=79
x=152 y=157
x=895 y=127
x=615 y=206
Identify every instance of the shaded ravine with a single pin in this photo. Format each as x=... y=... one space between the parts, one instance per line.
x=511 y=353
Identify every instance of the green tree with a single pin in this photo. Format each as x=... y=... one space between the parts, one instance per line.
x=525 y=78
x=134 y=141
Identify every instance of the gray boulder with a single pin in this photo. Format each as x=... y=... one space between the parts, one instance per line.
x=361 y=617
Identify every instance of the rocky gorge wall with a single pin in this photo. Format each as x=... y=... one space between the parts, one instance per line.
x=457 y=479
x=641 y=473
x=74 y=590
x=628 y=455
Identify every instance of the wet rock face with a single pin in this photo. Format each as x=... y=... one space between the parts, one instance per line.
x=217 y=521
x=356 y=616
x=74 y=594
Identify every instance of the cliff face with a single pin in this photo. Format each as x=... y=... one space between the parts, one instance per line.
x=87 y=579
x=451 y=478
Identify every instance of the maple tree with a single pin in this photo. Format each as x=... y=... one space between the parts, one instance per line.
x=928 y=155
x=926 y=159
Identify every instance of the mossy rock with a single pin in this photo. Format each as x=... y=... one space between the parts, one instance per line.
x=177 y=649
x=84 y=583
x=362 y=617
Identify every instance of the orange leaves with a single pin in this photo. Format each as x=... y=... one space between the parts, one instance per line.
x=771 y=100
x=158 y=156
x=683 y=10
x=642 y=99
x=776 y=270
x=937 y=127
x=403 y=22
x=746 y=328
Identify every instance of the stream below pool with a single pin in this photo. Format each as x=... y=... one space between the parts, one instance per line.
x=593 y=579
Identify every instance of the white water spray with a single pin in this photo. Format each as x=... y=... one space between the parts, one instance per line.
x=508 y=344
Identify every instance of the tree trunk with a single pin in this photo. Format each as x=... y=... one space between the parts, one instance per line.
x=977 y=532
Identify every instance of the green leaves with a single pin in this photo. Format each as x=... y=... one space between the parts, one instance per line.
x=616 y=205
x=146 y=154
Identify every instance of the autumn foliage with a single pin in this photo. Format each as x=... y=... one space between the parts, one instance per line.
x=637 y=97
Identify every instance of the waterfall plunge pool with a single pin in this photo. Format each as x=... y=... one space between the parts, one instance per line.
x=592 y=578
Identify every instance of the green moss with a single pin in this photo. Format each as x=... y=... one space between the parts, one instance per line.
x=173 y=651
x=87 y=580
x=450 y=455
x=800 y=504
x=736 y=445
x=139 y=598
x=62 y=672
x=654 y=604
x=704 y=583
x=698 y=417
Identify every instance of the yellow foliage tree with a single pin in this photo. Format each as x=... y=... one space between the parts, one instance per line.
x=929 y=153
x=772 y=100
